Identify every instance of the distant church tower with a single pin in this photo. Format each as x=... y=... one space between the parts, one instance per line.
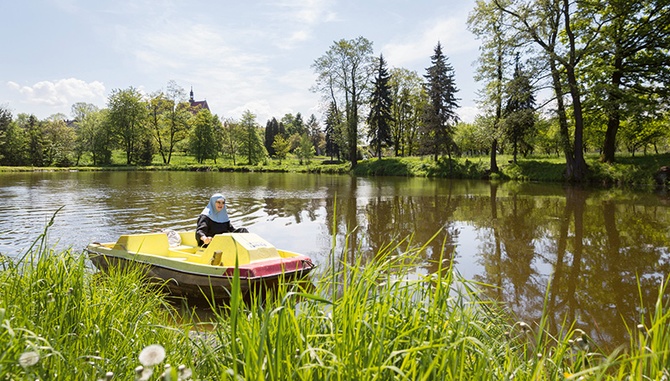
x=196 y=105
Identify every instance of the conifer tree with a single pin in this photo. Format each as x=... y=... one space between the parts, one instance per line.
x=333 y=126
x=271 y=132
x=519 y=111
x=440 y=116
x=379 y=120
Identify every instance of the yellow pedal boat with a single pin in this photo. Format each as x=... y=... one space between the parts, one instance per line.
x=196 y=272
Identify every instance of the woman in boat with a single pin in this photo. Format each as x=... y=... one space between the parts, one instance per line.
x=214 y=220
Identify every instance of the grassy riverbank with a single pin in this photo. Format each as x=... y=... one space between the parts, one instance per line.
x=628 y=170
x=59 y=319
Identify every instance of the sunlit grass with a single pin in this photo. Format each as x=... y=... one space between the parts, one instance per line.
x=59 y=319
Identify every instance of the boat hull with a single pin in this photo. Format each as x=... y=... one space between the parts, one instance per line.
x=194 y=276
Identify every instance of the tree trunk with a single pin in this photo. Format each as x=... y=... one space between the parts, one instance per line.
x=613 y=116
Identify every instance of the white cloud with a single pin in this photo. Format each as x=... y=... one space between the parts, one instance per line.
x=421 y=44
x=62 y=92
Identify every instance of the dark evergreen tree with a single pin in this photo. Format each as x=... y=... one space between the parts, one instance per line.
x=146 y=151
x=271 y=130
x=440 y=116
x=519 y=114
x=333 y=123
x=379 y=120
x=315 y=134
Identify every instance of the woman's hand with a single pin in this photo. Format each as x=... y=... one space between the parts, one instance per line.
x=206 y=240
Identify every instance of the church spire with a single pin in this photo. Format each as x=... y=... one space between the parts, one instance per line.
x=192 y=99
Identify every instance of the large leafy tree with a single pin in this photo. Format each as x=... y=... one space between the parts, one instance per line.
x=35 y=139
x=127 y=118
x=440 y=116
x=343 y=77
x=630 y=74
x=251 y=142
x=552 y=26
x=379 y=119
x=169 y=118
x=59 y=141
x=232 y=139
x=5 y=124
x=487 y=22
x=205 y=142
x=13 y=139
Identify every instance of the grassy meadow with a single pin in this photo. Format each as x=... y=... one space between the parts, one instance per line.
x=62 y=320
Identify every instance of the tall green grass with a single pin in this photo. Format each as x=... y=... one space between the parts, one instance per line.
x=379 y=321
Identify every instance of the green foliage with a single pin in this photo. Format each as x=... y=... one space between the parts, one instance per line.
x=440 y=116
x=251 y=144
x=379 y=119
x=305 y=151
x=204 y=142
x=343 y=73
x=280 y=147
x=127 y=118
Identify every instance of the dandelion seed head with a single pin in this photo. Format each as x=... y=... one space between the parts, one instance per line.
x=152 y=355
x=184 y=373
x=144 y=375
x=28 y=359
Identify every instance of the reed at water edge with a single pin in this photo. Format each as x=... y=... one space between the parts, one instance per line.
x=61 y=320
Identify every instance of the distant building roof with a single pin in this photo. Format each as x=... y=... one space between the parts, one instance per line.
x=196 y=105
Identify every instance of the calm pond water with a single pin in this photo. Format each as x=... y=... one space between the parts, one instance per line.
x=583 y=251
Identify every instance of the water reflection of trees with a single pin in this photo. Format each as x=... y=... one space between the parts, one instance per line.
x=598 y=252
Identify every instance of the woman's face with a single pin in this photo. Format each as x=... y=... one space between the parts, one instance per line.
x=220 y=203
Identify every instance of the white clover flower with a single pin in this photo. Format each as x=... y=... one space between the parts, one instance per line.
x=152 y=355
x=28 y=359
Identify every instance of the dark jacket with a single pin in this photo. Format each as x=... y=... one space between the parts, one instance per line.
x=208 y=228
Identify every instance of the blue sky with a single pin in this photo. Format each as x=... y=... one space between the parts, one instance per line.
x=238 y=55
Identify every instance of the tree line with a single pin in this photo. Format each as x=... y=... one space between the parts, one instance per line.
x=162 y=123
x=559 y=78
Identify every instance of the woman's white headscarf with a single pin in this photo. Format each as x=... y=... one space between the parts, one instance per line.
x=210 y=209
